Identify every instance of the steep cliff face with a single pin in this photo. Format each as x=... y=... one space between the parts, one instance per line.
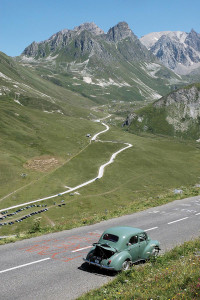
x=120 y=32
x=177 y=114
x=183 y=108
x=179 y=51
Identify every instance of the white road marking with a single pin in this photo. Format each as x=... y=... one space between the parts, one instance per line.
x=151 y=228
x=28 y=264
x=197 y=214
x=82 y=249
x=177 y=220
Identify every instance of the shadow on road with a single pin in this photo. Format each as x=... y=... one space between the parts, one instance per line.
x=96 y=271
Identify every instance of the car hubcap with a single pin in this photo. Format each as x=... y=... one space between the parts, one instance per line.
x=155 y=252
x=125 y=265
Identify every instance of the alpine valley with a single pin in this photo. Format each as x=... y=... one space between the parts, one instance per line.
x=62 y=91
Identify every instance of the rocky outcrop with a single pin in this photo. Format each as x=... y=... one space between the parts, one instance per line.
x=120 y=32
x=179 y=51
x=182 y=107
x=129 y=119
x=193 y=40
x=31 y=50
x=177 y=114
x=91 y=27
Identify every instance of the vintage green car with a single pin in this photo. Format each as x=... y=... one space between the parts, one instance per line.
x=119 y=247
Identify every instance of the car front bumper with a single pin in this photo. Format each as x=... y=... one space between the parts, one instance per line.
x=98 y=265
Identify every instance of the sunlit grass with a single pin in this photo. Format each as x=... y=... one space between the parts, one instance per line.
x=174 y=276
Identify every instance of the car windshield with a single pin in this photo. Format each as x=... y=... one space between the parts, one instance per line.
x=110 y=237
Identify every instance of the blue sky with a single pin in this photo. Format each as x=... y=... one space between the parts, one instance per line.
x=25 y=21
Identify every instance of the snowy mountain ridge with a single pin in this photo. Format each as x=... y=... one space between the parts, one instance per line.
x=177 y=50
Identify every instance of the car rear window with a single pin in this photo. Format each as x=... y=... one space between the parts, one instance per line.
x=110 y=237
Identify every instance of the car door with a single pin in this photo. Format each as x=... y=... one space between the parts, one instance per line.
x=133 y=248
x=142 y=244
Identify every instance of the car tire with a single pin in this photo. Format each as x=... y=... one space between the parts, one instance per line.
x=155 y=252
x=126 y=265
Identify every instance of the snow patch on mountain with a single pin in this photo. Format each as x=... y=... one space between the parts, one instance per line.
x=87 y=80
x=4 y=76
x=150 y=39
x=17 y=101
x=177 y=50
x=105 y=83
x=145 y=90
x=151 y=69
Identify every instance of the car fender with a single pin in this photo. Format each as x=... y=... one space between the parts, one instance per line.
x=90 y=252
x=149 y=248
x=118 y=259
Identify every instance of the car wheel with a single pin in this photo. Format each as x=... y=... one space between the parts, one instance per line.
x=126 y=265
x=155 y=252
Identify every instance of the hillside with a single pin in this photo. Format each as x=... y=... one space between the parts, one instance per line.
x=112 y=66
x=38 y=120
x=45 y=151
x=177 y=114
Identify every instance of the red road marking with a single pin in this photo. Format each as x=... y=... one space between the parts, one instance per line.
x=63 y=249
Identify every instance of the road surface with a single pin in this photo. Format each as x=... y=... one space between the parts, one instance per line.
x=51 y=266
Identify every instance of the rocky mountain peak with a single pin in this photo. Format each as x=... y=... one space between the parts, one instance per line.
x=179 y=51
x=119 y=32
x=91 y=27
x=31 y=50
x=193 y=40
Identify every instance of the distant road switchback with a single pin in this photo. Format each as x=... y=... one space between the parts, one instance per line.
x=100 y=173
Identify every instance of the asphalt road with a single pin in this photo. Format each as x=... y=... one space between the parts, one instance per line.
x=51 y=266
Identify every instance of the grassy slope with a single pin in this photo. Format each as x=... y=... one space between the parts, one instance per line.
x=175 y=275
x=119 y=72
x=142 y=176
x=150 y=169
x=154 y=121
x=27 y=131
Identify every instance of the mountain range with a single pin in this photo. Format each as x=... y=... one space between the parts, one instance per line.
x=75 y=69
x=112 y=66
x=177 y=50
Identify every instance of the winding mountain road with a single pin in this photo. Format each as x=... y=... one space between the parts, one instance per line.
x=70 y=190
x=51 y=266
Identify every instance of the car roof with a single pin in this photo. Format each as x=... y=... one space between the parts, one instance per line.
x=123 y=230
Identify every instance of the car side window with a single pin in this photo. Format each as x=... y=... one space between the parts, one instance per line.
x=142 y=237
x=133 y=240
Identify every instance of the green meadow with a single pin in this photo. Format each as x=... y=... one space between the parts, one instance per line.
x=44 y=150
x=142 y=176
